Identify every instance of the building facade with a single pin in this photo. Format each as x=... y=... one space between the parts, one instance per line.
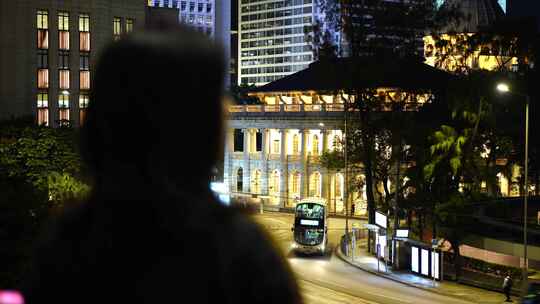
x=272 y=39
x=48 y=50
x=212 y=17
x=272 y=154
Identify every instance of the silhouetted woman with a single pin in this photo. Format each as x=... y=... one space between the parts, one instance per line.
x=152 y=232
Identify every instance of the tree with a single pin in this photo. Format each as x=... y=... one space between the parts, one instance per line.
x=372 y=27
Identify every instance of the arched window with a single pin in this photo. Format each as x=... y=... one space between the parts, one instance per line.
x=295 y=144
x=315 y=145
x=273 y=185
x=294 y=186
x=315 y=185
x=256 y=182
x=239 y=180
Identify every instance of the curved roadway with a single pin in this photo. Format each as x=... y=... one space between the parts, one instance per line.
x=328 y=279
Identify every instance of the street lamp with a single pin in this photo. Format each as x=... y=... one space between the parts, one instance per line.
x=505 y=88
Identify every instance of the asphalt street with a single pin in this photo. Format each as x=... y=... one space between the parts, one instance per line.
x=327 y=279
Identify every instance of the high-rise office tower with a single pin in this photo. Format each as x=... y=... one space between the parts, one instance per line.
x=272 y=39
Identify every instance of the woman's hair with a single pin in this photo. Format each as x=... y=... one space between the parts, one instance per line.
x=156 y=106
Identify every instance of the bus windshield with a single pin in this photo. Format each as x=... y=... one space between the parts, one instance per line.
x=310 y=211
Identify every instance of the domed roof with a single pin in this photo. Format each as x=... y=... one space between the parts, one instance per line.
x=476 y=14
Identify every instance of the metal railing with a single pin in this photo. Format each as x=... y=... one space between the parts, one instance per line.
x=292 y=108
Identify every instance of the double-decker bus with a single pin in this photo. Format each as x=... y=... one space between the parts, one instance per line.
x=310 y=229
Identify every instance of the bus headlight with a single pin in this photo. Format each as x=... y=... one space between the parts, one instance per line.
x=294 y=245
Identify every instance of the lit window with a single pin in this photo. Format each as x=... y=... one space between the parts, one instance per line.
x=84 y=23
x=43 y=39
x=84 y=32
x=63 y=109
x=117 y=27
x=315 y=185
x=43 y=79
x=83 y=105
x=129 y=25
x=84 y=42
x=64 y=79
x=295 y=145
x=85 y=80
x=63 y=21
x=63 y=31
x=315 y=145
x=43 y=109
x=43 y=20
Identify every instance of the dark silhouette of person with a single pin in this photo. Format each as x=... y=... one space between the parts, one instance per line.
x=507 y=287
x=151 y=231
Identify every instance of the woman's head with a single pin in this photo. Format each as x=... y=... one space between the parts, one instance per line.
x=156 y=106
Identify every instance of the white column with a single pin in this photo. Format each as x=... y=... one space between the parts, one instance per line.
x=264 y=160
x=283 y=181
x=246 y=167
x=229 y=150
x=303 y=164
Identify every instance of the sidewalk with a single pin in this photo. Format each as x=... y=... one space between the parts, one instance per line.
x=367 y=262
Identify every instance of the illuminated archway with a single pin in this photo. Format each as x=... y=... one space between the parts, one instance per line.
x=294 y=185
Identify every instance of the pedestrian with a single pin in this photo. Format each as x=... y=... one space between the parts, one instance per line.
x=507 y=286
x=151 y=230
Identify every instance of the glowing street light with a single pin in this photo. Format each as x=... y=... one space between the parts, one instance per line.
x=505 y=88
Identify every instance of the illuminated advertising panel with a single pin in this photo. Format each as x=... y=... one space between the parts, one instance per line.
x=403 y=233
x=380 y=219
x=425 y=262
x=414 y=259
x=435 y=265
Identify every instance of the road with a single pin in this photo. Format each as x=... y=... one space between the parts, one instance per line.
x=328 y=279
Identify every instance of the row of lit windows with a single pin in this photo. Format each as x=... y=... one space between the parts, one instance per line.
x=274 y=69
x=265 y=79
x=63 y=79
x=277 y=60
x=271 y=42
x=183 y=5
x=273 y=5
x=63 y=108
x=285 y=2
x=276 y=23
x=277 y=51
x=63 y=21
x=277 y=14
x=63 y=31
x=277 y=32
x=197 y=19
x=117 y=26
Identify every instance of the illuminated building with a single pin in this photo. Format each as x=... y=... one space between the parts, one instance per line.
x=273 y=149
x=477 y=15
x=48 y=49
x=272 y=39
